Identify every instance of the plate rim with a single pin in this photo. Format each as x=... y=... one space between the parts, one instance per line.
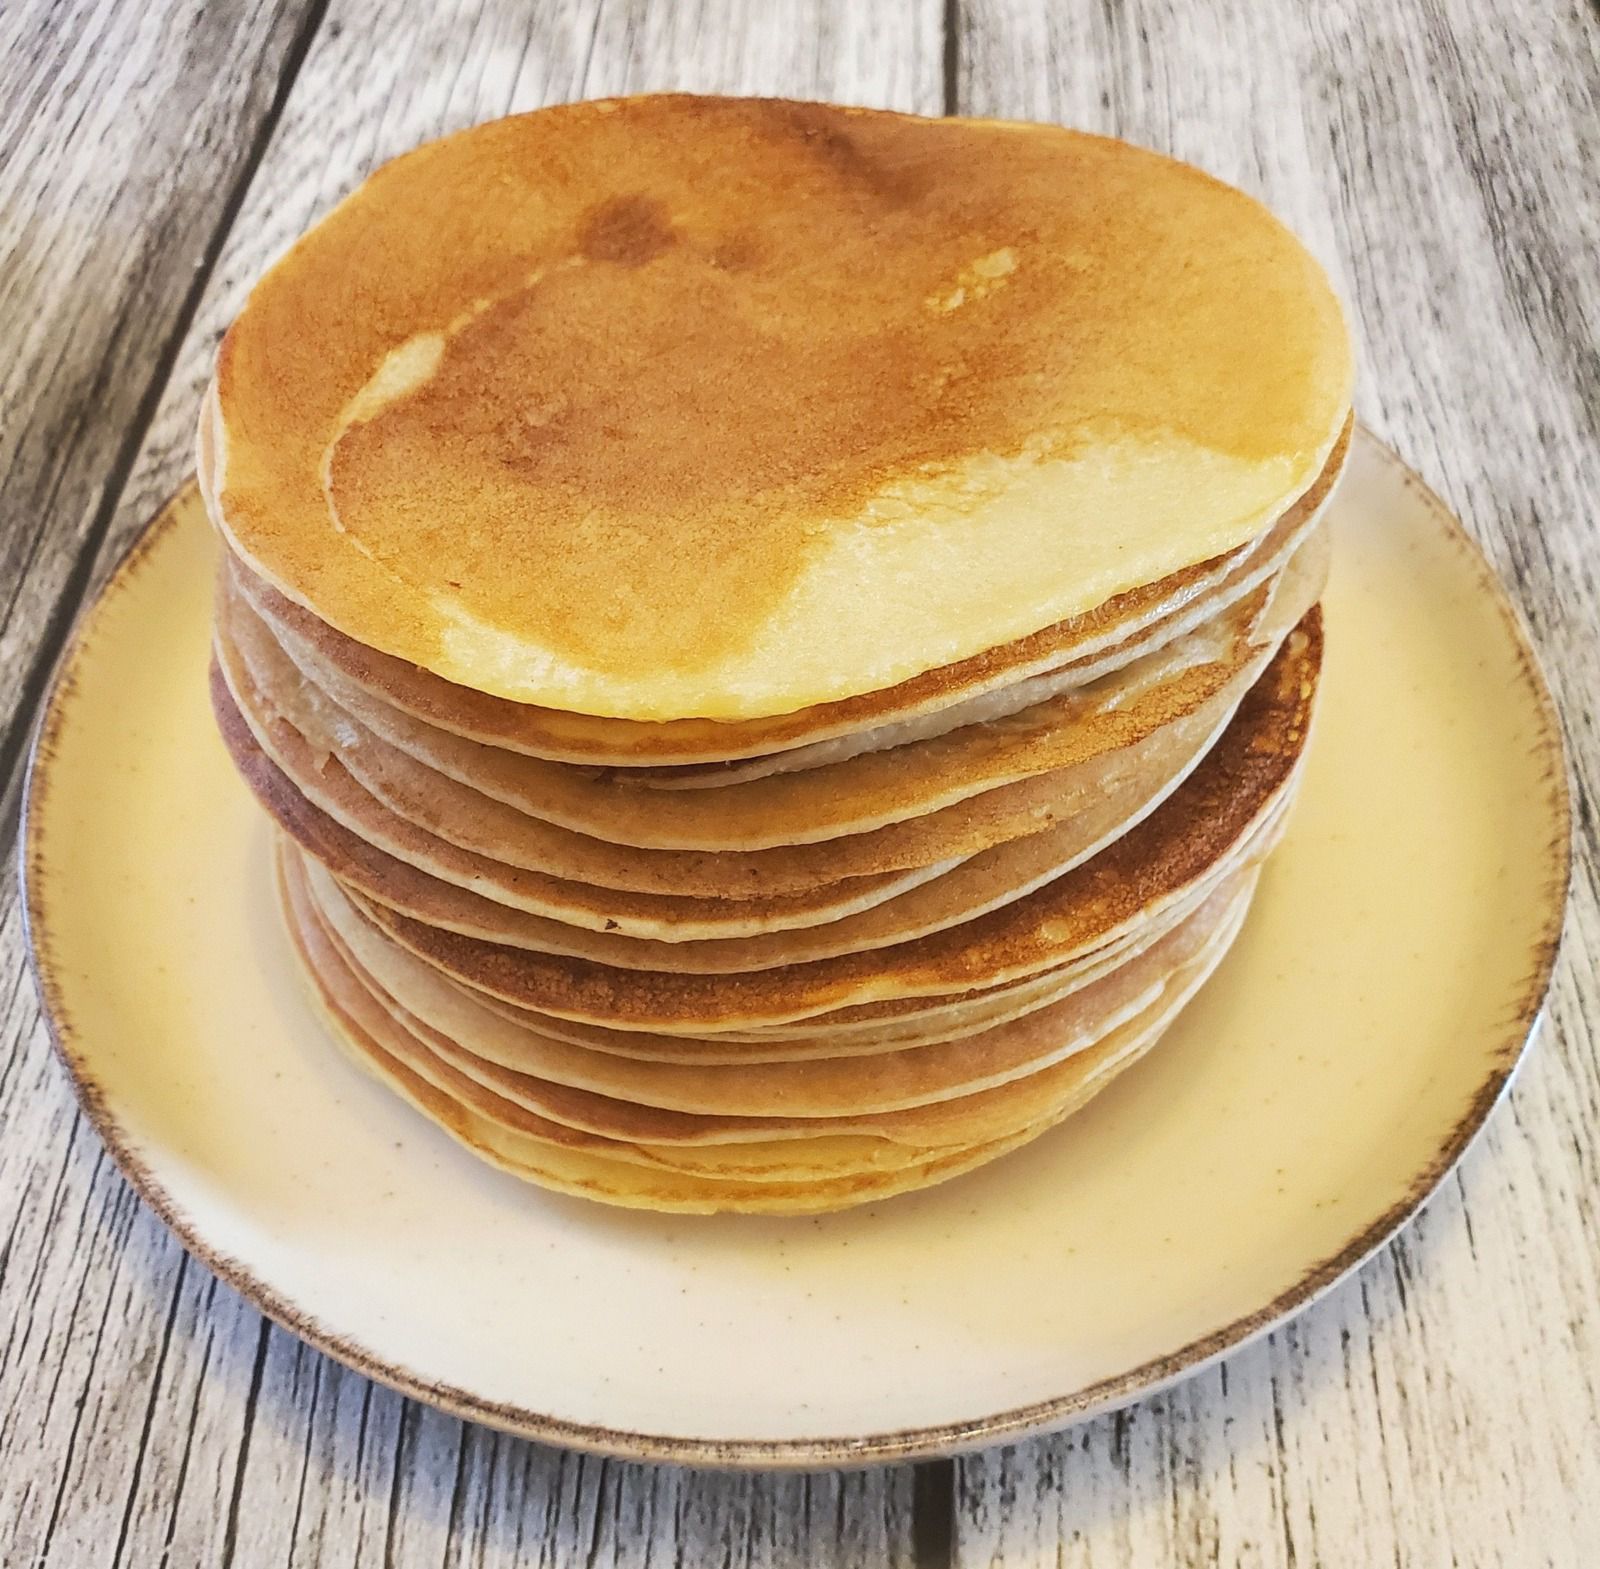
x=900 y=1445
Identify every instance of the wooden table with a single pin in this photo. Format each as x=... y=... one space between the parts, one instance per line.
x=1443 y=1406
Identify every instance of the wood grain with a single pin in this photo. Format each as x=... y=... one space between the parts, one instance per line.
x=126 y=133
x=1444 y=1406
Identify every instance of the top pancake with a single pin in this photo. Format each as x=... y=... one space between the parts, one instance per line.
x=674 y=407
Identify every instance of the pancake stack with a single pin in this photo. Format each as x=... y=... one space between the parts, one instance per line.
x=775 y=639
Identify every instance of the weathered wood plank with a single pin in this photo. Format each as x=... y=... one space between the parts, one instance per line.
x=1442 y=1407
x=147 y=1415
x=112 y=204
x=126 y=133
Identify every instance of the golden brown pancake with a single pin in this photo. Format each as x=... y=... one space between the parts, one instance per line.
x=887 y=1024
x=777 y=655
x=943 y=799
x=1111 y=796
x=668 y=1159
x=1093 y=739
x=1212 y=816
x=768 y=1098
x=972 y=888
x=665 y=917
x=667 y=752
x=966 y=379
x=629 y=1183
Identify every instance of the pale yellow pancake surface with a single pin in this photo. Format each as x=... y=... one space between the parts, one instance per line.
x=674 y=406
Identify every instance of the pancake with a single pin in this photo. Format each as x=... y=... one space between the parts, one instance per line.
x=775 y=659
x=1083 y=646
x=338 y=799
x=972 y=888
x=628 y=1184
x=925 y=1017
x=1130 y=726
x=713 y=1163
x=1091 y=740
x=967 y=380
x=768 y=1097
x=936 y=971
x=1214 y=815
x=864 y=1028
x=994 y=879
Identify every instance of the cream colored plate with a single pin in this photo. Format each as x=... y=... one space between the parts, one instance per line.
x=1304 y=1107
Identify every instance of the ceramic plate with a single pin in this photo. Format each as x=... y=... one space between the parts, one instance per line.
x=1304 y=1106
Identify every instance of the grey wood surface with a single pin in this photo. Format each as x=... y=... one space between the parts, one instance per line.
x=1443 y=1407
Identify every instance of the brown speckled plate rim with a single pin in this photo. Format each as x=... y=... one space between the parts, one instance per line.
x=912 y=1443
